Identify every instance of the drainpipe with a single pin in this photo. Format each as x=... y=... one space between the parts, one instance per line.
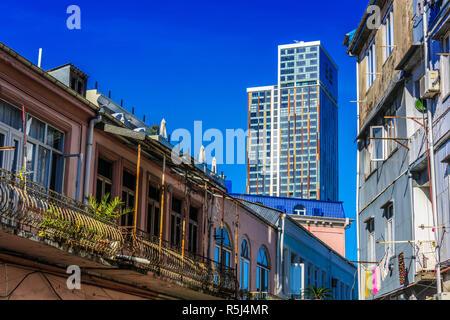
x=210 y=229
x=77 y=183
x=280 y=260
x=87 y=173
x=357 y=184
x=432 y=163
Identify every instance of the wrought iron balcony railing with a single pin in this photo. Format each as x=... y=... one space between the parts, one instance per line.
x=164 y=259
x=259 y=295
x=30 y=207
x=41 y=212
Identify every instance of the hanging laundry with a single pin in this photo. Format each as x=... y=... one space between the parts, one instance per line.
x=369 y=284
x=376 y=275
x=384 y=264
x=402 y=269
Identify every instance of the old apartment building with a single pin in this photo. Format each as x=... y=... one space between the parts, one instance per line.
x=184 y=237
x=403 y=129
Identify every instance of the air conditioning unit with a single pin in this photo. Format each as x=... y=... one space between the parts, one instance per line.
x=430 y=85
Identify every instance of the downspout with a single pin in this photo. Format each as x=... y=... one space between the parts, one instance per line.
x=280 y=260
x=210 y=233
x=413 y=221
x=432 y=172
x=87 y=173
x=357 y=183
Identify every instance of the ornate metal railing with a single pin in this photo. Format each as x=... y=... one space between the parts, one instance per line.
x=33 y=208
x=41 y=212
x=167 y=260
x=261 y=296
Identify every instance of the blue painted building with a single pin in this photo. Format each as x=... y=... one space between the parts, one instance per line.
x=325 y=219
x=403 y=89
x=304 y=260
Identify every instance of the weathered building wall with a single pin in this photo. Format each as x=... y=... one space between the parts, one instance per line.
x=27 y=283
x=403 y=37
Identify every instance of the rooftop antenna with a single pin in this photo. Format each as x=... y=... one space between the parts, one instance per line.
x=121 y=102
x=96 y=85
x=109 y=94
x=40 y=57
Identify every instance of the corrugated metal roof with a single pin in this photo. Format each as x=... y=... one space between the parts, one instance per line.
x=328 y=209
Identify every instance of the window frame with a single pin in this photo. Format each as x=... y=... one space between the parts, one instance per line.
x=373 y=144
x=388 y=34
x=371 y=64
x=445 y=65
x=14 y=136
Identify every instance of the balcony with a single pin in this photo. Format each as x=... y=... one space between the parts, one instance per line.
x=33 y=212
x=40 y=213
x=163 y=259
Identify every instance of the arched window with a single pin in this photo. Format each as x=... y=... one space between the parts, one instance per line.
x=223 y=247
x=262 y=271
x=300 y=210
x=245 y=264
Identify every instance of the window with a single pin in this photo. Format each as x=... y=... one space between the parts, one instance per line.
x=262 y=272
x=153 y=210
x=324 y=279
x=128 y=192
x=445 y=67
x=371 y=65
x=45 y=146
x=300 y=210
x=391 y=133
x=389 y=232
x=222 y=253
x=245 y=264
x=388 y=35
x=193 y=230
x=104 y=179
x=316 y=277
x=377 y=145
x=370 y=227
x=175 y=222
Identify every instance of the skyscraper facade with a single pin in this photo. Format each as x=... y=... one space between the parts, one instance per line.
x=293 y=141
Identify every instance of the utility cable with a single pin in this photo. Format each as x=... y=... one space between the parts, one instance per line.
x=18 y=285
x=51 y=286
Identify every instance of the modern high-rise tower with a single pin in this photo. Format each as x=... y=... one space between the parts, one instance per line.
x=298 y=117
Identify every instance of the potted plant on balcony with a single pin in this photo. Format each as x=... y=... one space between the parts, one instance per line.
x=109 y=210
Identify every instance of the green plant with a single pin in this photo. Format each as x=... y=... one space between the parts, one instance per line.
x=154 y=130
x=315 y=293
x=110 y=210
x=52 y=221
x=420 y=106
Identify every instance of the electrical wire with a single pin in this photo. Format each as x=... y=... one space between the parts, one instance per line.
x=51 y=286
x=18 y=285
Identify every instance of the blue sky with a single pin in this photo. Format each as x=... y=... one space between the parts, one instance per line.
x=193 y=60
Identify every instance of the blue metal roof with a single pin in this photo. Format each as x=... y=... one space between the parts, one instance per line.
x=328 y=209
